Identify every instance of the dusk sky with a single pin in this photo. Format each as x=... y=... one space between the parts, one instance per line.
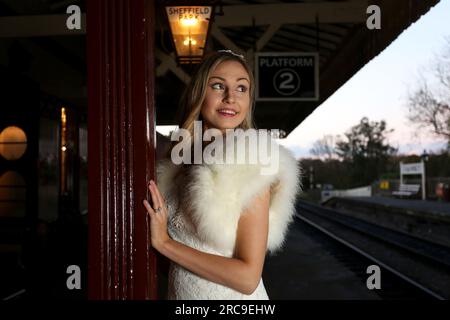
x=379 y=91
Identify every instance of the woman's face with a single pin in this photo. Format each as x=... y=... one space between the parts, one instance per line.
x=227 y=99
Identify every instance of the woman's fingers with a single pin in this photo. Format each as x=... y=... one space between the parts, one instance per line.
x=158 y=218
x=149 y=208
x=155 y=199
x=162 y=203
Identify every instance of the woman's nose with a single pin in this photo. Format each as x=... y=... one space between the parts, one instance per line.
x=229 y=96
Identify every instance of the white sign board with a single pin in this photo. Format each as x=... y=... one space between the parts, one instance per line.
x=414 y=168
x=411 y=168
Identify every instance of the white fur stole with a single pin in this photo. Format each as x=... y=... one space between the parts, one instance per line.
x=219 y=194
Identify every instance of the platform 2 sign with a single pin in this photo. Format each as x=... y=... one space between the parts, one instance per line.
x=292 y=76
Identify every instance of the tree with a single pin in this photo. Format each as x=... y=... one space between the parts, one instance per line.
x=366 y=150
x=324 y=148
x=429 y=103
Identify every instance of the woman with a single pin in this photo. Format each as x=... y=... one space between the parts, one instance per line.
x=215 y=222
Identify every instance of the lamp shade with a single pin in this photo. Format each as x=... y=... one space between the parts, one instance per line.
x=13 y=143
x=189 y=26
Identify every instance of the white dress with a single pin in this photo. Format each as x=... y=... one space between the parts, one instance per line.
x=185 y=285
x=205 y=203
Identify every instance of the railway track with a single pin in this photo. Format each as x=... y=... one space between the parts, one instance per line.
x=411 y=268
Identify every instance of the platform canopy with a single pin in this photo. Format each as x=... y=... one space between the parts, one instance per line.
x=334 y=30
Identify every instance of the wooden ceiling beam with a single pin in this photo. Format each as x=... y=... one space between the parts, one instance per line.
x=293 y=13
x=268 y=34
x=224 y=40
x=234 y=16
x=38 y=26
x=168 y=62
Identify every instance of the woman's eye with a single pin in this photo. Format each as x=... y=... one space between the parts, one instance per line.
x=242 y=88
x=217 y=86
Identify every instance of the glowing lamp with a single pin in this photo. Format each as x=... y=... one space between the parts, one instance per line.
x=189 y=26
x=13 y=143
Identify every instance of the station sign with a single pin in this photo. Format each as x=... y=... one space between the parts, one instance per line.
x=188 y=14
x=287 y=76
x=412 y=168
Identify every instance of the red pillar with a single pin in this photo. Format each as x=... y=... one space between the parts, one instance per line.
x=120 y=35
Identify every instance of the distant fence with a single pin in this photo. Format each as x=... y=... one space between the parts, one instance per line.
x=385 y=187
x=356 y=192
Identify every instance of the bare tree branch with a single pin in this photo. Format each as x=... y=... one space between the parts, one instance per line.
x=324 y=148
x=429 y=104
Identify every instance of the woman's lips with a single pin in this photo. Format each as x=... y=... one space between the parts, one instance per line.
x=227 y=113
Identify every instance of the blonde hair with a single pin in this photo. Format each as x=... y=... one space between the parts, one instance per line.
x=194 y=94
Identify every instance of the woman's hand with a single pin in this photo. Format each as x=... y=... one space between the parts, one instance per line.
x=158 y=217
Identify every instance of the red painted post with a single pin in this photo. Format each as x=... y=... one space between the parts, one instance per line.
x=120 y=35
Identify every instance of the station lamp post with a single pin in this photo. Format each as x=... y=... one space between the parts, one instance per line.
x=311 y=178
x=424 y=156
x=189 y=26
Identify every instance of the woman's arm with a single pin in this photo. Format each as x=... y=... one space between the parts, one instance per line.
x=243 y=271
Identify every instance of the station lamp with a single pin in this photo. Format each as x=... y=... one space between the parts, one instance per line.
x=13 y=143
x=189 y=26
x=424 y=156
